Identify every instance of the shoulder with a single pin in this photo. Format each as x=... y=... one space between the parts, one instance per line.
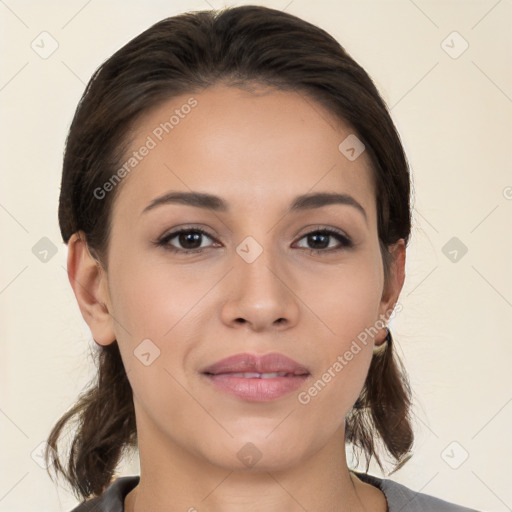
x=112 y=500
x=401 y=498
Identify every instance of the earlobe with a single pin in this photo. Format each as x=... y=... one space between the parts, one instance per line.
x=89 y=282
x=394 y=285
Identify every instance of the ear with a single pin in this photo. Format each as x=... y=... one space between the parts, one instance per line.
x=90 y=285
x=393 y=287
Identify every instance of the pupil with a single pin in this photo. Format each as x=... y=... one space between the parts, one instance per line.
x=315 y=238
x=185 y=238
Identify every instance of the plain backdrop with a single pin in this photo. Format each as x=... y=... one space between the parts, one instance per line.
x=444 y=69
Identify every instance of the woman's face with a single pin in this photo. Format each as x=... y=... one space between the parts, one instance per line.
x=252 y=285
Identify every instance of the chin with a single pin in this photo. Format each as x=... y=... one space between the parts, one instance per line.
x=259 y=452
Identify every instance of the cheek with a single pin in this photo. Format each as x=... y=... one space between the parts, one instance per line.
x=158 y=322
x=349 y=312
x=348 y=299
x=149 y=300
x=333 y=392
x=154 y=322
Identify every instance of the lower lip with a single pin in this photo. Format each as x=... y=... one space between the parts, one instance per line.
x=257 y=390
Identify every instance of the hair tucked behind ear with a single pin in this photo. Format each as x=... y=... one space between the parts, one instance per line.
x=384 y=403
x=237 y=47
x=106 y=425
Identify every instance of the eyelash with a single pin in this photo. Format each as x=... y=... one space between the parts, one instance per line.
x=164 y=241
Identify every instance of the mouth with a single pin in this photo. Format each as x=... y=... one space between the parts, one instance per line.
x=256 y=375
x=256 y=378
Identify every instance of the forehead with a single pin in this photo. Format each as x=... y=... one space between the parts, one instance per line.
x=258 y=148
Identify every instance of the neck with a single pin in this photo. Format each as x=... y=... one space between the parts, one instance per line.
x=175 y=480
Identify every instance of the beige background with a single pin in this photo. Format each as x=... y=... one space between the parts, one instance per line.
x=455 y=118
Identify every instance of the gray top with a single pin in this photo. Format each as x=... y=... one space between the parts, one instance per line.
x=399 y=497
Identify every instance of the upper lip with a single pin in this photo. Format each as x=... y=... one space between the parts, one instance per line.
x=267 y=363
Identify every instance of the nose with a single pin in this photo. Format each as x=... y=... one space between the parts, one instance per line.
x=261 y=294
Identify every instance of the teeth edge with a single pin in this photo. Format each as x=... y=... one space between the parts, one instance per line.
x=255 y=375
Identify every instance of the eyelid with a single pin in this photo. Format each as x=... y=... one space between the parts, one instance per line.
x=314 y=228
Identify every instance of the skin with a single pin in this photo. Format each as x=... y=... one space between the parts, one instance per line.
x=258 y=151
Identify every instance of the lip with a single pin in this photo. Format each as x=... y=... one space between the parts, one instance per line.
x=225 y=376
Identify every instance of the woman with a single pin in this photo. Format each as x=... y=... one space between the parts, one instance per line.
x=235 y=200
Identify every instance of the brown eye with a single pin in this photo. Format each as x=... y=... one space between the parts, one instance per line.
x=321 y=239
x=189 y=240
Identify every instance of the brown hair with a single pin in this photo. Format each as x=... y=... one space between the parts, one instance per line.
x=237 y=47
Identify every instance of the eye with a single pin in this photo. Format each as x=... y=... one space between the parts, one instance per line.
x=188 y=238
x=320 y=239
x=190 y=241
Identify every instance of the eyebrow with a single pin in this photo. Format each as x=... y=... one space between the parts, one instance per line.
x=215 y=203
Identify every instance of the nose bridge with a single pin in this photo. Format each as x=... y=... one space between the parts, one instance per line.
x=257 y=267
x=260 y=295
